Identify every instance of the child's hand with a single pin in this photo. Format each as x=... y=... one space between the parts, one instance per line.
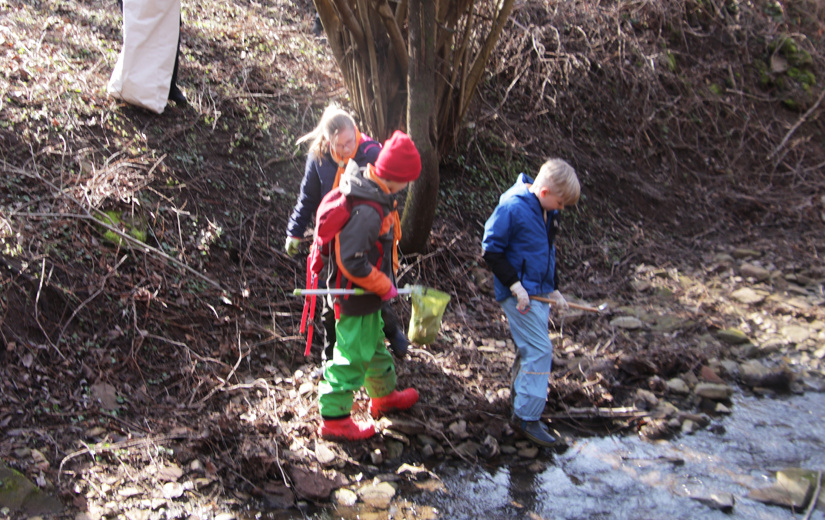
x=392 y=293
x=521 y=295
x=560 y=301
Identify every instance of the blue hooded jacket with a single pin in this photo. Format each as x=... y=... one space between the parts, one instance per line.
x=319 y=174
x=518 y=230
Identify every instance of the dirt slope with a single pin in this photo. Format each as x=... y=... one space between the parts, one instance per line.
x=169 y=373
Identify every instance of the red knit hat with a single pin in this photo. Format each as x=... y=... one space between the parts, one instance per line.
x=399 y=160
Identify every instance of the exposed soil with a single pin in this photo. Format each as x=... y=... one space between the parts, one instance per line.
x=168 y=375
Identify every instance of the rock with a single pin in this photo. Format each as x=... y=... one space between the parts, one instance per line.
x=323 y=454
x=708 y=375
x=722 y=409
x=754 y=271
x=749 y=296
x=688 y=427
x=376 y=457
x=740 y=253
x=172 y=490
x=459 y=429
x=378 y=496
x=678 y=386
x=715 y=392
x=640 y=285
x=732 y=336
x=655 y=429
x=754 y=374
x=645 y=399
x=468 y=449
x=415 y=471
x=17 y=493
x=664 y=410
x=427 y=451
x=720 y=501
x=731 y=367
x=626 y=322
x=394 y=449
x=170 y=473
x=796 y=334
x=489 y=448
x=530 y=452
x=345 y=497
x=793 y=493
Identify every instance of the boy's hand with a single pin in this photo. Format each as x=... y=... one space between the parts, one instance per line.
x=521 y=295
x=560 y=301
x=291 y=245
x=392 y=293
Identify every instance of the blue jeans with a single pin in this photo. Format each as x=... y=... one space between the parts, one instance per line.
x=534 y=357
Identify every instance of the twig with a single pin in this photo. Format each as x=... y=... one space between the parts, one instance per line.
x=797 y=125
x=815 y=498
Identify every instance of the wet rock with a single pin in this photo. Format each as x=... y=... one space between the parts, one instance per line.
x=722 y=409
x=688 y=427
x=732 y=336
x=754 y=271
x=378 y=495
x=720 y=501
x=678 y=386
x=749 y=296
x=795 y=497
x=712 y=391
x=427 y=451
x=756 y=375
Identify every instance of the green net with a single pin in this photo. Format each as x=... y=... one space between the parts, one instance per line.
x=428 y=307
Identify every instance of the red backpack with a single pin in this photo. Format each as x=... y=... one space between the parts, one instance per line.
x=333 y=214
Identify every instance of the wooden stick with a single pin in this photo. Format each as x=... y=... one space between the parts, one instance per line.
x=571 y=305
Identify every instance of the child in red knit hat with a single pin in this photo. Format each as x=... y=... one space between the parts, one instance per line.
x=366 y=257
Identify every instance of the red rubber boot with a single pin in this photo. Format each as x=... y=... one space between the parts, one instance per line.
x=395 y=400
x=345 y=430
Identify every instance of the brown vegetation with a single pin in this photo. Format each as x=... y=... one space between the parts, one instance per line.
x=172 y=340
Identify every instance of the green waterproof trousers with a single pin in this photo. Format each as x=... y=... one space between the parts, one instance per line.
x=358 y=359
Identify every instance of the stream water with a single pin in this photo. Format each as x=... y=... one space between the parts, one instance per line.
x=626 y=478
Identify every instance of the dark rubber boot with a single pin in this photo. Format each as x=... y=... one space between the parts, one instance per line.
x=536 y=431
x=399 y=343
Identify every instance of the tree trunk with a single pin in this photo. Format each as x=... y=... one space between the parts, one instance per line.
x=419 y=210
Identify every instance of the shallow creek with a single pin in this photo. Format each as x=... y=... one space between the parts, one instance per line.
x=627 y=478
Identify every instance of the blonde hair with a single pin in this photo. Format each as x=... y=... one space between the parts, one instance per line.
x=333 y=120
x=558 y=176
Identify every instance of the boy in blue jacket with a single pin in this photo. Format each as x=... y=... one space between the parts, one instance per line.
x=518 y=246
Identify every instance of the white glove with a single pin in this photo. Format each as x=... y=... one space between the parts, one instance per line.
x=559 y=300
x=291 y=245
x=520 y=293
